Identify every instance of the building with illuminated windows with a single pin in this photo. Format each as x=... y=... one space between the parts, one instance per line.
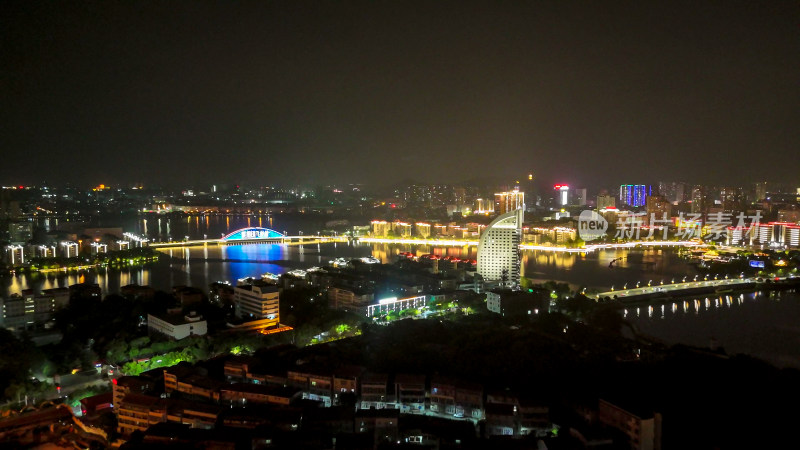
x=605 y=201
x=15 y=254
x=423 y=229
x=772 y=234
x=483 y=206
x=26 y=311
x=562 y=194
x=380 y=228
x=634 y=194
x=257 y=301
x=508 y=201
x=498 y=248
x=658 y=209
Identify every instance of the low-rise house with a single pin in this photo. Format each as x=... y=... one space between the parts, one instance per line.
x=245 y=393
x=640 y=424
x=375 y=391
x=346 y=381
x=501 y=419
x=410 y=393
x=177 y=326
x=382 y=424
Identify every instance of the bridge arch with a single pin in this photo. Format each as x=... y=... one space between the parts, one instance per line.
x=252 y=233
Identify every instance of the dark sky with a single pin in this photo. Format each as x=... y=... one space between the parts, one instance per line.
x=269 y=92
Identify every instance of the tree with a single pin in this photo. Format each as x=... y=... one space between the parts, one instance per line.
x=607 y=318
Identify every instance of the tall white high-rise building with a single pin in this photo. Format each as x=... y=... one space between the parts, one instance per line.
x=498 y=249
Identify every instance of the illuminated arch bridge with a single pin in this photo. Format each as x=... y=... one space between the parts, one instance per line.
x=253 y=234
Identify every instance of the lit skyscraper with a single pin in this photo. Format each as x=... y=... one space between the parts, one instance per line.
x=563 y=194
x=498 y=249
x=634 y=194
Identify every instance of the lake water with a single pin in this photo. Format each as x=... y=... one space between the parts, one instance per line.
x=762 y=325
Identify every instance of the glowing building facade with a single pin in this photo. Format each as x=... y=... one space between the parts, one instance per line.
x=508 y=201
x=498 y=248
x=634 y=194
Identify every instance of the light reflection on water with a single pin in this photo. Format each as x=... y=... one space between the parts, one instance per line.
x=763 y=324
x=203 y=264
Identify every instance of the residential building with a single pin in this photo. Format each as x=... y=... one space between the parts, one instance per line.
x=133 y=413
x=423 y=229
x=508 y=201
x=401 y=229
x=244 y=393
x=259 y=300
x=346 y=380
x=634 y=194
x=29 y=310
x=510 y=303
x=125 y=385
x=410 y=393
x=15 y=254
x=483 y=206
x=349 y=298
x=380 y=228
x=659 y=210
x=580 y=197
x=374 y=391
x=643 y=427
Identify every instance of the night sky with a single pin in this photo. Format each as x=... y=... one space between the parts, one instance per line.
x=267 y=92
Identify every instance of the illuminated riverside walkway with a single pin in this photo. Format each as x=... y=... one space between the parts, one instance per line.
x=256 y=235
x=523 y=246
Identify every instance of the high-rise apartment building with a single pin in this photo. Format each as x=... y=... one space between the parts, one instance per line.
x=508 y=201
x=606 y=201
x=580 y=197
x=562 y=194
x=634 y=194
x=760 y=191
x=700 y=200
x=732 y=198
x=658 y=208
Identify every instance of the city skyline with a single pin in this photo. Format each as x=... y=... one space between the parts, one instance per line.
x=380 y=93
